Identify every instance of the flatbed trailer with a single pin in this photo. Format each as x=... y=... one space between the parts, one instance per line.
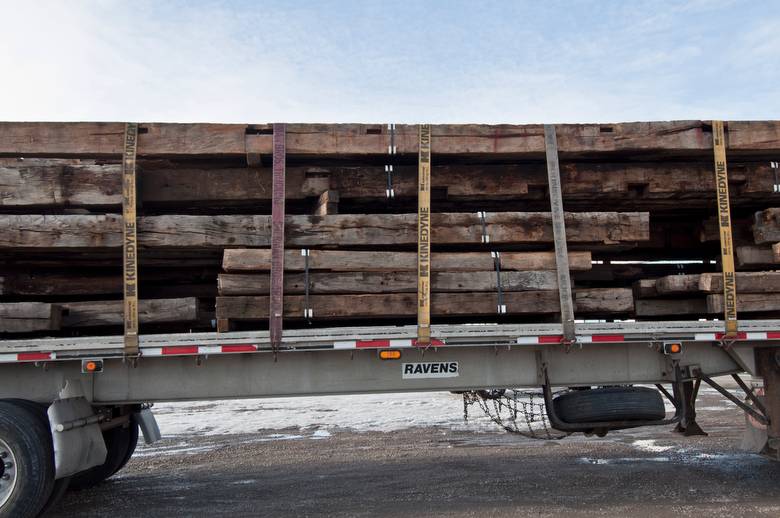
x=92 y=388
x=71 y=407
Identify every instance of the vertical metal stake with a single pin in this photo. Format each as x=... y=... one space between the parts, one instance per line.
x=277 y=236
x=559 y=234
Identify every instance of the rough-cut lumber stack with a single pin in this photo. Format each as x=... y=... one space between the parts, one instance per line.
x=637 y=195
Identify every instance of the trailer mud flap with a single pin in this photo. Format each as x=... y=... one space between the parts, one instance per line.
x=78 y=440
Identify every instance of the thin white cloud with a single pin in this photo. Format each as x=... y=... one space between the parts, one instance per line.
x=367 y=61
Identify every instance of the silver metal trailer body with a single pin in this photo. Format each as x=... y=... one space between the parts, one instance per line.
x=346 y=361
x=96 y=396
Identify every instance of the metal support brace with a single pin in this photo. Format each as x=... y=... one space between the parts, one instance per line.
x=423 y=237
x=276 y=309
x=559 y=235
x=130 y=241
x=308 y=312
x=724 y=223
x=391 y=151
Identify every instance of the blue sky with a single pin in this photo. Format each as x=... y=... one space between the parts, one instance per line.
x=394 y=61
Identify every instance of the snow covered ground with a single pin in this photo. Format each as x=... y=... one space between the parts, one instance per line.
x=361 y=413
x=374 y=412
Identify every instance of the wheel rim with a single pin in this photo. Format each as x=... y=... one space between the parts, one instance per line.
x=8 y=472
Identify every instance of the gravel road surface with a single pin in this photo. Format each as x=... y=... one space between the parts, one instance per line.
x=443 y=471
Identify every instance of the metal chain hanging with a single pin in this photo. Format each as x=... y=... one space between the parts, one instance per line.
x=517 y=412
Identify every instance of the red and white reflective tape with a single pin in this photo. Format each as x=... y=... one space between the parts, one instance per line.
x=193 y=350
x=27 y=357
x=556 y=339
x=697 y=337
x=764 y=335
x=382 y=344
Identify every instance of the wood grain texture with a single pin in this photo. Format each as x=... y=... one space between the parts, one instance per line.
x=258 y=259
x=57 y=183
x=103 y=231
x=165 y=140
x=387 y=282
x=27 y=317
x=399 y=305
x=109 y=312
x=766 y=226
x=746 y=303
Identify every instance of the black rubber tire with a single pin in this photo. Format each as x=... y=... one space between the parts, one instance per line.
x=60 y=485
x=59 y=490
x=21 y=428
x=117 y=443
x=610 y=404
x=132 y=443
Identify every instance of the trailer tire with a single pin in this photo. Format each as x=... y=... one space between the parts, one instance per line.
x=61 y=484
x=28 y=443
x=610 y=404
x=132 y=443
x=117 y=445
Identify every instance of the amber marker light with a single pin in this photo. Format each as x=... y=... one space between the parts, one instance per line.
x=90 y=366
x=672 y=348
x=390 y=355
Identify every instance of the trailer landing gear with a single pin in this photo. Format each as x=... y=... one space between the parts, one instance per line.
x=688 y=426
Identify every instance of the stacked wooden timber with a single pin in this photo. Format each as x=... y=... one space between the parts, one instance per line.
x=639 y=200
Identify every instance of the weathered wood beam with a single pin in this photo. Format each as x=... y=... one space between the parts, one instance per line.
x=109 y=312
x=776 y=252
x=103 y=231
x=172 y=140
x=387 y=282
x=327 y=203
x=43 y=182
x=766 y=226
x=746 y=303
x=747 y=282
x=27 y=317
x=58 y=284
x=258 y=259
x=755 y=256
x=668 y=307
x=676 y=284
x=645 y=288
x=399 y=305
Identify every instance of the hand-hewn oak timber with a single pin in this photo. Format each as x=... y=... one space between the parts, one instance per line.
x=676 y=284
x=59 y=183
x=103 y=231
x=396 y=305
x=755 y=256
x=163 y=283
x=258 y=259
x=26 y=317
x=58 y=284
x=747 y=282
x=327 y=203
x=387 y=282
x=109 y=312
x=669 y=307
x=746 y=303
x=766 y=226
x=645 y=288
x=172 y=140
